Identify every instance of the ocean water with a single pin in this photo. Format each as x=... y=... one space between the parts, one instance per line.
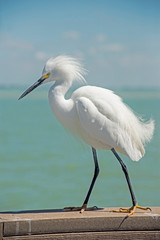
x=42 y=166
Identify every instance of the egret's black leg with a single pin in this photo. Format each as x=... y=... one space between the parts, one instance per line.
x=96 y=172
x=135 y=205
x=124 y=168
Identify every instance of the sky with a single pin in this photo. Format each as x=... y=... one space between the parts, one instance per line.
x=118 y=41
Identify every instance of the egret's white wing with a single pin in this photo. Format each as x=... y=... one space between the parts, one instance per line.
x=105 y=129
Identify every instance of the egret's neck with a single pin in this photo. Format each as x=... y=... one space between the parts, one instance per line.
x=60 y=88
x=61 y=107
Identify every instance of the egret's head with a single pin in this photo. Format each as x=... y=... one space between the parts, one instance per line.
x=61 y=68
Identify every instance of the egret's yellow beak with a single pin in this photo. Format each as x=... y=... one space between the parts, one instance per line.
x=35 y=85
x=45 y=76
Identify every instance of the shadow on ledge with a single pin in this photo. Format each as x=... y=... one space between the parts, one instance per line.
x=42 y=211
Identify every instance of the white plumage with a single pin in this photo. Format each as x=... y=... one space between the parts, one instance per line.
x=96 y=114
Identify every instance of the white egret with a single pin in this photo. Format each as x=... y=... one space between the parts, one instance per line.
x=97 y=115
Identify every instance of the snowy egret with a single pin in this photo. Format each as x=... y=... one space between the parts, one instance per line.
x=97 y=115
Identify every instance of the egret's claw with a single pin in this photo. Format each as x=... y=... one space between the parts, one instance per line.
x=131 y=210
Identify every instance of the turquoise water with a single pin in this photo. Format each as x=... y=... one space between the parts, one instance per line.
x=43 y=167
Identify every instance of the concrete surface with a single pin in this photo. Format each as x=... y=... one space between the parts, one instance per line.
x=97 y=224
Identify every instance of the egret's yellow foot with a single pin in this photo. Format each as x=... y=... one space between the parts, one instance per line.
x=80 y=209
x=131 y=210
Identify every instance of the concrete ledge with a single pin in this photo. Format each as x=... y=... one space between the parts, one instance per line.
x=98 y=224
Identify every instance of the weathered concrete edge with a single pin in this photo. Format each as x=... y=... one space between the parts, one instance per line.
x=91 y=222
x=134 y=235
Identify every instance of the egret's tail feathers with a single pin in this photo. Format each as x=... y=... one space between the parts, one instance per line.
x=143 y=135
x=147 y=131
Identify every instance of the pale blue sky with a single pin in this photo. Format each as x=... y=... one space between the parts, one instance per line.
x=117 y=40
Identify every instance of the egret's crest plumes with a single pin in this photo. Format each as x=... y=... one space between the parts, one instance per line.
x=64 y=68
